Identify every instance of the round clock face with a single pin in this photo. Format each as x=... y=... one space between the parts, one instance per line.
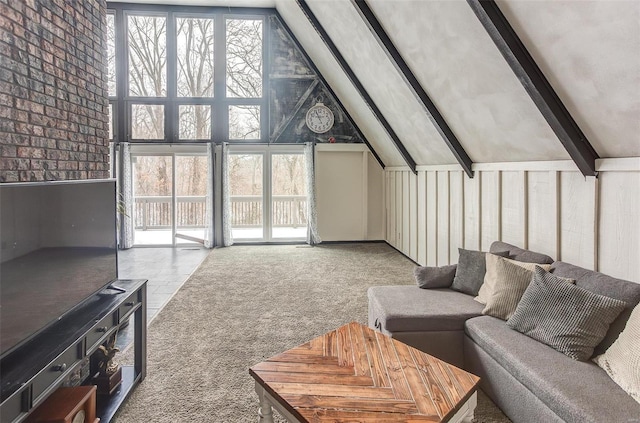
x=319 y=118
x=79 y=417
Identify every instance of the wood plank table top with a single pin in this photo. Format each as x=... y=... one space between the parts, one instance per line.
x=354 y=373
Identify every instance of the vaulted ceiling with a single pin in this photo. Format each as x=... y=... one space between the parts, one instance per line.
x=589 y=51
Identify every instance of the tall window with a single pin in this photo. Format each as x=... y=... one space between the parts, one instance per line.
x=179 y=74
x=244 y=58
x=147 y=42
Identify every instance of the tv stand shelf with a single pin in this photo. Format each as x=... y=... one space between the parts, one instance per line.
x=34 y=371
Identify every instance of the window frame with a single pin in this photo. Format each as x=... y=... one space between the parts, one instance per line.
x=123 y=101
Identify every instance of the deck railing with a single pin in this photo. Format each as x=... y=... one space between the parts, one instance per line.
x=154 y=212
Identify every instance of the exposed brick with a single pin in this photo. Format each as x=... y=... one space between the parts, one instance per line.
x=54 y=120
x=32 y=176
x=47 y=164
x=31 y=152
x=58 y=155
x=68 y=165
x=43 y=143
x=9 y=176
x=8 y=151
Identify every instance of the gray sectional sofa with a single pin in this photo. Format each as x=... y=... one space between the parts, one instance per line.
x=528 y=380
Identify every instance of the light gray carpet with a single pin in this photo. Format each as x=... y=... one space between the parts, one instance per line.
x=245 y=304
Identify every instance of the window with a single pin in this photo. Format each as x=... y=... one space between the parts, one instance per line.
x=195 y=57
x=185 y=74
x=244 y=122
x=147 y=41
x=244 y=58
x=195 y=122
x=147 y=121
x=110 y=122
x=111 y=54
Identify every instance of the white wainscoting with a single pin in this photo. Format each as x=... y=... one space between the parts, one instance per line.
x=548 y=207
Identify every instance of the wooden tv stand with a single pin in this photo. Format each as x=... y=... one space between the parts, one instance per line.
x=32 y=373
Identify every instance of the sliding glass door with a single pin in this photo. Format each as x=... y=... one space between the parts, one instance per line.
x=152 y=205
x=190 y=198
x=268 y=194
x=246 y=188
x=288 y=196
x=170 y=197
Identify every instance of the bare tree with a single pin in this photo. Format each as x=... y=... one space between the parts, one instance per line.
x=111 y=55
x=244 y=58
x=244 y=75
x=147 y=71
x=195 y=74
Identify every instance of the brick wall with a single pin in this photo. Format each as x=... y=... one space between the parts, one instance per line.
x=53 y=103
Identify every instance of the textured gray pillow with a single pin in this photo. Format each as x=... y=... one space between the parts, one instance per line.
x=510 y=283
x=564 y=316
x=434 y=277
x=470 y=271
x=602 y=284
x=517 y=253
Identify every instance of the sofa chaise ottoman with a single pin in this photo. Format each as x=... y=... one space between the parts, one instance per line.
x=529 y=380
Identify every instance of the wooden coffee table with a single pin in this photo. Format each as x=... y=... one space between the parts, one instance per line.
x=356 y=374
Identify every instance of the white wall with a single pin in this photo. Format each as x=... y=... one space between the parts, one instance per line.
x=544 y=206
x=349 y=193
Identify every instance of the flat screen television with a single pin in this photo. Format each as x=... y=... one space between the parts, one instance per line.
x=58 y=248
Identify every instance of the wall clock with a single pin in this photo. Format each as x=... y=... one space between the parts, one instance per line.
x=319 y=118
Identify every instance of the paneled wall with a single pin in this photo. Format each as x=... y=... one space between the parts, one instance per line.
x=544 y=206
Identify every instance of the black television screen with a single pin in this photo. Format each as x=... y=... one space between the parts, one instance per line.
x=57 y=248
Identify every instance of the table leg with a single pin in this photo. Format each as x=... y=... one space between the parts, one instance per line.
x=265 y=412
x=467 y=411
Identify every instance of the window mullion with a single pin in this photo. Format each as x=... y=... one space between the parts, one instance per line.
x=171 y=108
x=220 y=112
x=122 y=59
x=265 y=111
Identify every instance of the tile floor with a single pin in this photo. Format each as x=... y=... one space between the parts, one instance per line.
x=165 y=268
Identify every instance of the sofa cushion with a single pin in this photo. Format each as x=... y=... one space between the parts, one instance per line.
x=428 y=277
x=602 y=284
x=578 y=391
x=622 y=360
x=566 y=317
x=470 y=271
x=519 y=254
x=492 y=275
x=409 y=308
x=509 y=283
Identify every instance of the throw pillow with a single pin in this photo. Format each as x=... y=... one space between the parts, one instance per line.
x=564 y=316
x=517 y=253
x=622 y=361
x=470 y=271
x=509 y=283
x=434 y=277
x=488 y=286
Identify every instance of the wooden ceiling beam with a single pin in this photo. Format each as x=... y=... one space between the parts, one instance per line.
x=356 y=83
x=430 y=108
x=537 y=85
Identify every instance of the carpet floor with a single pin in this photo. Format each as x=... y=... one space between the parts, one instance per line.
x=245 y=304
